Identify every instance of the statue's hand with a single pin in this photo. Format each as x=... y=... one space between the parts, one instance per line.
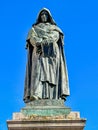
x=38 y=48
x=45 y=42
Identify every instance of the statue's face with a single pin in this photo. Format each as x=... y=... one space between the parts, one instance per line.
x=44 y=16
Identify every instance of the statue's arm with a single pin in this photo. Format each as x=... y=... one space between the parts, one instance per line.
x=28 y=38
x=32 y=38
x=51 y=37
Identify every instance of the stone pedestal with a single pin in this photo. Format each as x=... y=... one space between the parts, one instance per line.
x=48 y=115
x=46 y=108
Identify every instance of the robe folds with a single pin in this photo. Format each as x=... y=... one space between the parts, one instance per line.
x=46 y=70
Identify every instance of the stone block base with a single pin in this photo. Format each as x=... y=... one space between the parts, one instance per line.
x=46 y=115
x=71 y=122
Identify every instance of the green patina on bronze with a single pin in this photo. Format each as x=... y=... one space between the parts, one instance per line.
x=46 y=108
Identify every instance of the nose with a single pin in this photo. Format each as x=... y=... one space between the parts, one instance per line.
x=44 y=15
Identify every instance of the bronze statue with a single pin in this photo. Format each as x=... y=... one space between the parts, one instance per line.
x=46 y=72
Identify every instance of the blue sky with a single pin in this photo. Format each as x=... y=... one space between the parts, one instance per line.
x=78 y=19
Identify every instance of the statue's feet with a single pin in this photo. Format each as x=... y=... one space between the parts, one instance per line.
x=63 y=97
x=26 y=100
x=29 y=99
x=34 y=98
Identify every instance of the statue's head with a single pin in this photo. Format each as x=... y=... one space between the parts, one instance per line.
x=44 y=16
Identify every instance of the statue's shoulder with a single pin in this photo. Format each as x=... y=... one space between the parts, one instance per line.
x=31 y=32
x=57 y=29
